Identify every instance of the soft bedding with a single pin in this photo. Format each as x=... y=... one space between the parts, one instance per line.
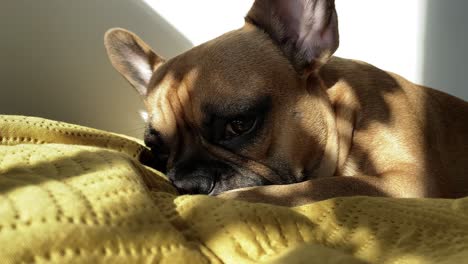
x=75 y=194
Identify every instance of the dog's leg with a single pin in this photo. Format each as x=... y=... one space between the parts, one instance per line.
x=325 y=188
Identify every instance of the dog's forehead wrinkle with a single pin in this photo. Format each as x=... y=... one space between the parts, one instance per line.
x=235 y=49
x=163 y=114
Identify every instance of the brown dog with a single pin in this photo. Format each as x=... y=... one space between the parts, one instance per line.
x=267 y=106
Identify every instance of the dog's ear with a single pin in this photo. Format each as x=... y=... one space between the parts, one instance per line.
x=305 y=30
x=131 y=57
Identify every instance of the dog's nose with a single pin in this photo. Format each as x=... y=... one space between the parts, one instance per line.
x=192 y=183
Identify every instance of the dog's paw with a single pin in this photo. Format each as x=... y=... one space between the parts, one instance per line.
x=260 y=194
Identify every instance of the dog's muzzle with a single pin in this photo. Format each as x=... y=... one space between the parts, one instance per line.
x=196 y=176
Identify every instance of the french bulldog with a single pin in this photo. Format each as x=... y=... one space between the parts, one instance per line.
x=266 y=113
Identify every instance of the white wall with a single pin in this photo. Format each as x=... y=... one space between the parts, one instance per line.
x=379 y=32
x=385 y=34
x=422 y=40
x=53 y=63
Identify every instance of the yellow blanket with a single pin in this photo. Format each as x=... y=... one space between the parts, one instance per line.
x=75 y=194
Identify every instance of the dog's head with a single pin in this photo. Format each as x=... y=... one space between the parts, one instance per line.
x=244 y=109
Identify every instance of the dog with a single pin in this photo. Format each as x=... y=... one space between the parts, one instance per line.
x=267 y=114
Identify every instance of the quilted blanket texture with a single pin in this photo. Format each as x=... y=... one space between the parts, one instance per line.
x=71 y=194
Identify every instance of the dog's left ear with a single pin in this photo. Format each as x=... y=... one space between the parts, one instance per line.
x=132 y=58
x=305 y=30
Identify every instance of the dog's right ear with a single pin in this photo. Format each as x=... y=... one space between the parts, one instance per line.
x=131 y=57
x=305 y=30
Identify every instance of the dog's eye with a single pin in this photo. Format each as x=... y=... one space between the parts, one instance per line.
x=240 y=126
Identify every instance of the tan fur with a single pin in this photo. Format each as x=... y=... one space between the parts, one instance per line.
x=396 y=139
x=347 y=129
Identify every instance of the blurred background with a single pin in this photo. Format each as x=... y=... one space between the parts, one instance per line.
x=53 y=63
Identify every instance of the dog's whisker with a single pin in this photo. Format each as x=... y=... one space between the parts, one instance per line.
x=144 y=115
